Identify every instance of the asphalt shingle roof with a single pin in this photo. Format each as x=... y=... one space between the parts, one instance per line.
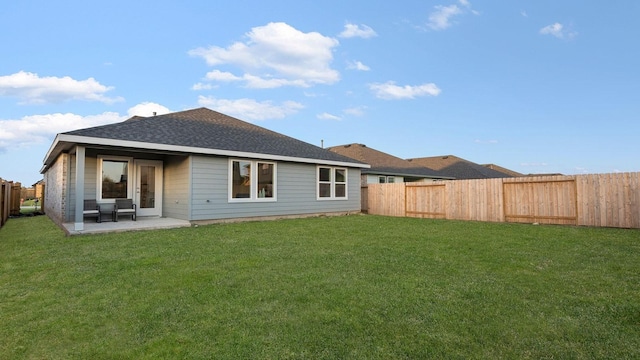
x=503 y=170
x=208 y=129
x=459 y=168
x=383 y=163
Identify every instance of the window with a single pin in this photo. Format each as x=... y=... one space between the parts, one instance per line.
x=332 y=183
x=113 y=178
x=386 y=179
x=382 y=179
x=252 y=180
x=391 y=179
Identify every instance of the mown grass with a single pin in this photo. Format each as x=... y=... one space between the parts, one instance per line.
x=323 y=288
x=30 y=207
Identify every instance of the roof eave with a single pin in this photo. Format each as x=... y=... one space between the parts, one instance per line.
x=77 y=139
x=50 y=156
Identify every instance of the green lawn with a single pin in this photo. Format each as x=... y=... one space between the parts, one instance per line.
x=352 y=287
x=29 y=207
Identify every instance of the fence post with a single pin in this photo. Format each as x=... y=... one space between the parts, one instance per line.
x=3 y=202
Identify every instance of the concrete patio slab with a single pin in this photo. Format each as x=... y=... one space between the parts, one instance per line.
x=142 y=223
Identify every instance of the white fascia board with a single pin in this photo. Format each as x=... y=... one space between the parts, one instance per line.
x=49 y=153
x=53 y=146
x=198 y=150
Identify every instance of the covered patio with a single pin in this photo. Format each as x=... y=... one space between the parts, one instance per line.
x=142 y=223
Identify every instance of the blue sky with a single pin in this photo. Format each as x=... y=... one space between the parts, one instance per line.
x=534 y=86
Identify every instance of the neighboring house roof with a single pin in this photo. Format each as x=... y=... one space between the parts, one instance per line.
x=200 y=131
x=503 y=170
x=385 y=164
x=517 y=174
x=458 y=167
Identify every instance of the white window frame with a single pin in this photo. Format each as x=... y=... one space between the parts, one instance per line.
x=130 y=179
x=253 y=190
x=332 y=183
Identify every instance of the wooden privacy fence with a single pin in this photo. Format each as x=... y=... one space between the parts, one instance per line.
x=606 y=200
x=9 y=200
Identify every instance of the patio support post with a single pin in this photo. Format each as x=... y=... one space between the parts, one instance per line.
x=80 y=159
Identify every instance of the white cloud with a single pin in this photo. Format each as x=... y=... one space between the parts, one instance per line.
x=391 y=91
x=217 y=75
x=327 y=116
x=147 y=109
x=279 y=55
x=357 y=65
x=39 y=129
x=441 y=17
x=467 y=6
x=361 y=31
x=33 y=89
x=553 y=29
x=250 y=109
x=558 y=30
x=355 y=111
x=256 y=82
x=202 y=86
x=251 y=81
x=524 y=13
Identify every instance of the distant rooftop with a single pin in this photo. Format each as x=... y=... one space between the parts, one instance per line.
x=459 y=168
x=383 y=163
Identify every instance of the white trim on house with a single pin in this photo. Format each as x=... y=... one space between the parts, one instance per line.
x=130 y=172
x=332 y=183
x=186 y=149
x=144 y=209
x=253 y=176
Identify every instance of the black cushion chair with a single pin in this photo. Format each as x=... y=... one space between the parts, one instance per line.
x=124 y=207
x=92 y=209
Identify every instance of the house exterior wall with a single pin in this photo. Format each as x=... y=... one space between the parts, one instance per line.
x=71 y=185
x=177 y=184
x=90 y=183
x=296 y=192
x=427 y=181
x=90 y=177
x=196 y=188
x=374 y=179
x=55 y=179
x=62 y=176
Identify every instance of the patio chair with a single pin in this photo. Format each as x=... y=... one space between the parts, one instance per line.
x=124 y=207
x=92 y=209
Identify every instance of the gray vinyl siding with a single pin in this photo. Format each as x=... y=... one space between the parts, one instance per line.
x=91 y=178
x=71 y=199
x=209 y=187
x=296 y=192
x=176 y=187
